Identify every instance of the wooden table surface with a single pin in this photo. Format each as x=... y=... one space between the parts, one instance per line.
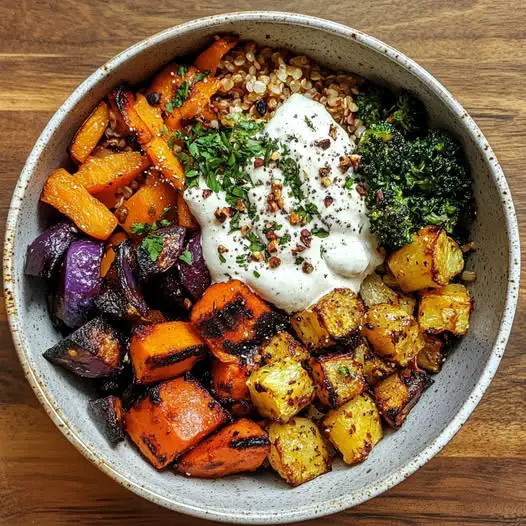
x=477 y=48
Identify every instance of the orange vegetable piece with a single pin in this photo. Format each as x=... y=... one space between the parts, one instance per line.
x=233 y=321
x=89 y=134
x=71 y=199
x=109 y=253
x=166 y=162
x=164 y=350
x=229 y=381
x=148 y=204
x=150 y=115
x=184 y=216
x=124 y=101
x=175 y=416
x=209 y=59
x=166 y=82
x=153 y=317
x=111 y=172
x=241 y=446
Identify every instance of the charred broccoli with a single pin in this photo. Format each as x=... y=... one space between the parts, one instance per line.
x=372 y=102
x=408 y=115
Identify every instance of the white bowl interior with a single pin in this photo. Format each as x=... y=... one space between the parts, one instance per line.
x=263 y=497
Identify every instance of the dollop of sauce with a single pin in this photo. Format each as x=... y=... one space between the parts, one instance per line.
x=319 y=231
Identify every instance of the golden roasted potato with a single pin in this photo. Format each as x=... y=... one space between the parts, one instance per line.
x=282 y=346
x=445 y=309
x=431 y=260
x=336 y=318
x=393 y=333
x=374 y=291
x=374 y=368
x=337 y=378
x=281 y=390
x=431 y=357
x=407 y=302
x=315 y=412
x=354 y=428
x=397 y=394
x=297 y=451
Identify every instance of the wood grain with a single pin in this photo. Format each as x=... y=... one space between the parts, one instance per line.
x=477 y=48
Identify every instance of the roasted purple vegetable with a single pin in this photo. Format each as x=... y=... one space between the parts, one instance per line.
x=93 y=351
x=171 y=240
x=165 y=293
x=108 y=415
x=79 y=283
x=193 y=272
x=121 y=297
x=45 y=254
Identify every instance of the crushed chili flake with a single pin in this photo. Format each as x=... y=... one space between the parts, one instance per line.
x=323 y=143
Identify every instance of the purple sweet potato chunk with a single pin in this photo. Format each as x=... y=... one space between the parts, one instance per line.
x=93 y=351
x=195 y=277
x=45 y=254
x=108 y=415
x=79 y=282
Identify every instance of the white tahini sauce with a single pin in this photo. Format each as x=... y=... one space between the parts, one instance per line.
x=342 y=259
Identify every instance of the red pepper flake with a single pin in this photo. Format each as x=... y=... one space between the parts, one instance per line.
x=323 y=143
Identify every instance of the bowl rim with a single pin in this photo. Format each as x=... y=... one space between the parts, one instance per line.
x=307 y=511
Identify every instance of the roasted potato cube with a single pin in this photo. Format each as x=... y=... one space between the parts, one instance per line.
x=407 y=302
x=337 y=378
x=393 y=333
x=283 y=346
x=336 y=318
x=432 y=356
x=430 y=261
x=234 y=322
x=297 y=451
x=445 y=309
x=109 y=416
x=93 y=351
x=397 y=394
x=281 y=390
x=373 y=291
x=354 y=428
x=315 y=412
x=373 y=367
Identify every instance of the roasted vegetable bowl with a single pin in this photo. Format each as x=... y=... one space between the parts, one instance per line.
x=261 y=262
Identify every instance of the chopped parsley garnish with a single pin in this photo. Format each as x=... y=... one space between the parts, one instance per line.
x=308 y=211
x=153 y=244
x=242 y=261
x=256 y=245
x=182 y=93
x=256 y=274
x=143 y=229
x=140 y=229
x=182 y=70
x=284 y=239
x=186 y=256
x=319 y=232
x=291 y=173
x=343 y=369
x=349 y=183
x=308 y=122
x=222 y=258
x=299 y=260
x=202 y=75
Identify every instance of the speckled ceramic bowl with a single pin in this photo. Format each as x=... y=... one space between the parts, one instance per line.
x=263 y=498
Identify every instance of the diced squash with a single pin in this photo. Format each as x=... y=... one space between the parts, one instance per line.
x=109 y=416
x=432 y=356
x=229 y=381
x=124 y=101
x=336 y=318
x=397 y=394
x=111 y=172
x=282 y=346
x=109 y=253
x=74 y=201
x=210 y=58
x=150 y=115
x=445 y=309
x=164 y=160
x=238 y=447
x=374 y=291
x=338 y=378
x=184 y=216
x=281 y=390
x=149 y=203
x=166 y=82
x=174 y=416
x=297 y=451
x=393 y=333
x=354 y=428
x=90 y=133
x=431 y=260
x=374 y=368
x=165 y=350
x=233 y=321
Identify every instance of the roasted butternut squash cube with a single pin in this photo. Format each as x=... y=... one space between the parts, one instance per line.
x=233 y=321
x=337 y=378
x=297 y=451
x=89 y=134
x=432 y=356
x=373 y=291
x=445 y=309
x=164 y=350
x=431 y=260
x=354 y=428
x=229 y=380
x=393 y=333
x=174 y=416
x=397 y=394
x=282 y=346
x=238 y=447
x=336 y=318
x=373 y=367
x=281 y=390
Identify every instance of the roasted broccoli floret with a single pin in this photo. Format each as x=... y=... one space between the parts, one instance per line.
x=435 y=211
x=373 y=103
x=408 y=115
